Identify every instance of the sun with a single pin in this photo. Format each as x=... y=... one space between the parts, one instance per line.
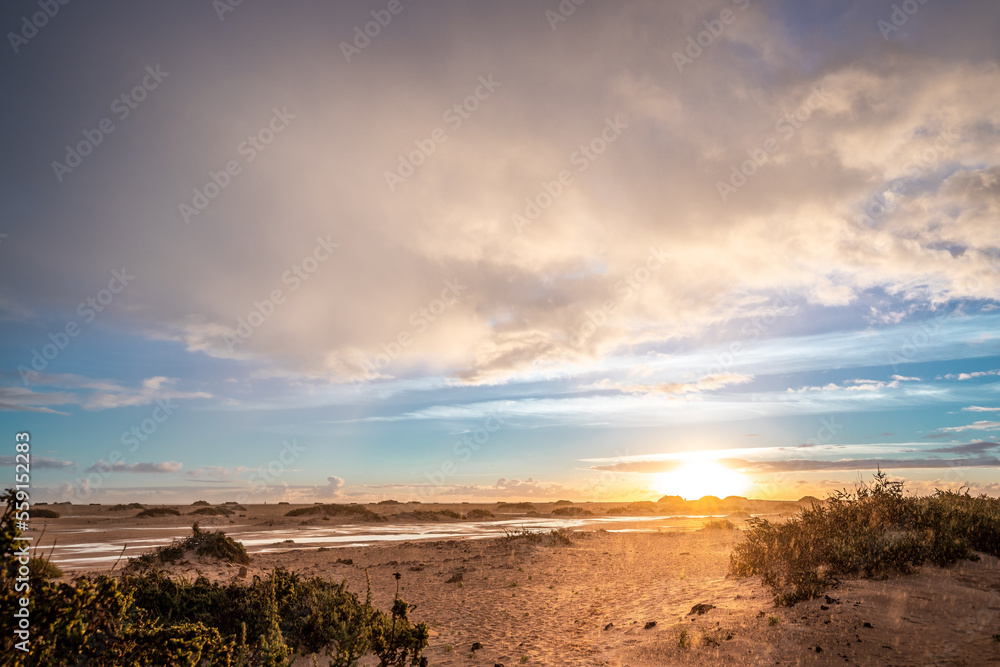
x=695 y=479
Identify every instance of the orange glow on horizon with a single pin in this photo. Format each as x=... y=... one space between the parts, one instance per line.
x=696 y=479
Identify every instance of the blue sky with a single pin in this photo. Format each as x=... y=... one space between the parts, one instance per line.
x=486 y=253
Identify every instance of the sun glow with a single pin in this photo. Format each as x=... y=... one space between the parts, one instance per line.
x=695 y=479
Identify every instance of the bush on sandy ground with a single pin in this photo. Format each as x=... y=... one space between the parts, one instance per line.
x=44 y=514
x=212 y=511
x=130 y=506
x=425 y=515
x=201 y=503
x=571 y=511
x=479 y=515
x=559 y=537
x=869 y=532
x=355 y=511
x=211 y=544
x=518 y=507
x=157 y=511
x=43 y=568
x=642 y=508
x=149 y=619
x=719 y=524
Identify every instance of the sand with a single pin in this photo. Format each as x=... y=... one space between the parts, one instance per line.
x=590 y=602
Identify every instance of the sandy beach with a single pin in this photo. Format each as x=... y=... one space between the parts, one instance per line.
x=620 y=592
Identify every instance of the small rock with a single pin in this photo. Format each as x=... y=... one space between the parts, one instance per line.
x=455 y=578
x=609 y=626
x=824 y=607
x=650 y=624
x=701 y=608
x=866 y=624
x=476 y=646
x=830 y=600
x=819 y=649
x=243 y=572
x=346 y=561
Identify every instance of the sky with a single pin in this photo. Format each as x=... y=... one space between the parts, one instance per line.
x=529 y=250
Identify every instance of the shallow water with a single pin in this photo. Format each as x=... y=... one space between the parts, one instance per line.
x=91 y=554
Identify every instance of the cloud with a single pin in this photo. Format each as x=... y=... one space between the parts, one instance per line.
x=883 y=105
x=975 y=426
x=981 y=447
x=810 y=465
x=857 y=385
x=98 y=394
x=18 y=399
x=976 y=408
x=39 y=462
x=973 y=375
x=144 y=467
x=334 y=487
x=707 y=383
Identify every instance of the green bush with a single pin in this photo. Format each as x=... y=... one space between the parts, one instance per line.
x=869 y=532
x=212 y=544
x=149 y=619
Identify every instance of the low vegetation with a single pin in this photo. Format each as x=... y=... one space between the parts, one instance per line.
x=719 y=524
x=201 y=503
x=571 y=511
x=426 y=515
x=157 y=511
x=517 y=507
x=130 y=506
x=44 y=514
x=559 y=537
x=43 y=568
x=353 y=511
x=207 y=544
x=212 y=511
x=479 y=515
x=872 y=531
x=642 y=508
x=147 y=618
